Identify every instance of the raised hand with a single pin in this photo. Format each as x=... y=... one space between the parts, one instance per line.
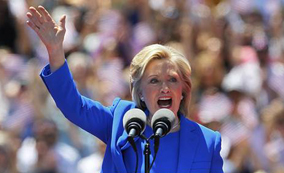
x=50 y=33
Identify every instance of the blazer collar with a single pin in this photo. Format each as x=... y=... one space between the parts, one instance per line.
x=188 y=144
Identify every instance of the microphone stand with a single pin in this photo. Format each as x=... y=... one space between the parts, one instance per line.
x=147 y=153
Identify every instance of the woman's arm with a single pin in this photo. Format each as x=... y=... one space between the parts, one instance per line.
x=90 y=115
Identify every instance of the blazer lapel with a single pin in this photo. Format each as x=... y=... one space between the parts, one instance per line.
x=188 y=144
x=119 y=140
x=115 y=149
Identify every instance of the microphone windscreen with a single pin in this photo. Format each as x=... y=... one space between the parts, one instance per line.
x=134 y=113
x=163 y=113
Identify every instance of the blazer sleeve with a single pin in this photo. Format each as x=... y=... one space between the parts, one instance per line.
x=217 y=161
x=90 y=115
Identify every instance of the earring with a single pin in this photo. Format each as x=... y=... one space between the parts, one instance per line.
x=181 y=97
x=142 y=99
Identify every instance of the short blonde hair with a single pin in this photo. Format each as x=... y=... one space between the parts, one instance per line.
x=153 y=52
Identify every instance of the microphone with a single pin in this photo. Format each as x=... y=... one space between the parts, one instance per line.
x=134 y=122
x=162 y=122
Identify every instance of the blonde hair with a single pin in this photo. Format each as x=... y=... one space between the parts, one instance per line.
x=153 y=52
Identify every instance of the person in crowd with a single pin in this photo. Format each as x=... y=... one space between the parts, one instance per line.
x=43 y=152
x=268 y=138
x=93 y=162
x=159 y=78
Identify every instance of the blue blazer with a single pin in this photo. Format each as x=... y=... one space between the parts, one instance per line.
x=193 y=149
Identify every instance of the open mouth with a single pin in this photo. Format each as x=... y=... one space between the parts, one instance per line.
x=165 y=102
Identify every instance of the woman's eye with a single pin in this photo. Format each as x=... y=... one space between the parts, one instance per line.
x=153 y=80
x=173 y=79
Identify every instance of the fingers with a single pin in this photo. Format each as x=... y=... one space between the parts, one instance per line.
x=39 y=16
x=44 y=13
x=35 y=16
x=33 y=26
x=43 y=24
x=30 y=23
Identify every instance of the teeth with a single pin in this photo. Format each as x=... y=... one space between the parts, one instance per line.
x=165 y=102
x=164 y=98
x=165 y=106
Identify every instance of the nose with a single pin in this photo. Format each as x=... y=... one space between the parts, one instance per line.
x=165 y=89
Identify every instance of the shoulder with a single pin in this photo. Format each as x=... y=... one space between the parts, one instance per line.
x=208 y=132
x=202 y=131
x=119 y=104
x=124 y=103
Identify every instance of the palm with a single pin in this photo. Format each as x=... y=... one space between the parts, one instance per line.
x=52 y=36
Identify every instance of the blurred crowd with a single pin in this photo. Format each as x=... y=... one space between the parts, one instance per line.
x=235 y=48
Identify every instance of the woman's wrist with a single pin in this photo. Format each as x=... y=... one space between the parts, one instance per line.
x=56 y=57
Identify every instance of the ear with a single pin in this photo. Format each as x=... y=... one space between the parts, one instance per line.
x=141 y=97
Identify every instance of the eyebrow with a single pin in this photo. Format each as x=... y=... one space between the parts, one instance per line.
x=176 y=75
x=152 y=75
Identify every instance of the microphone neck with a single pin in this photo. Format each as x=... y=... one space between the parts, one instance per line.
x=176 y=125
x=148 y=121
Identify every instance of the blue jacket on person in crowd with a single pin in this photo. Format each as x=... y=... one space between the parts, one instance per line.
x=192 y=149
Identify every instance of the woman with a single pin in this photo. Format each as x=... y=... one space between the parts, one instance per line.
x=159 y=79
